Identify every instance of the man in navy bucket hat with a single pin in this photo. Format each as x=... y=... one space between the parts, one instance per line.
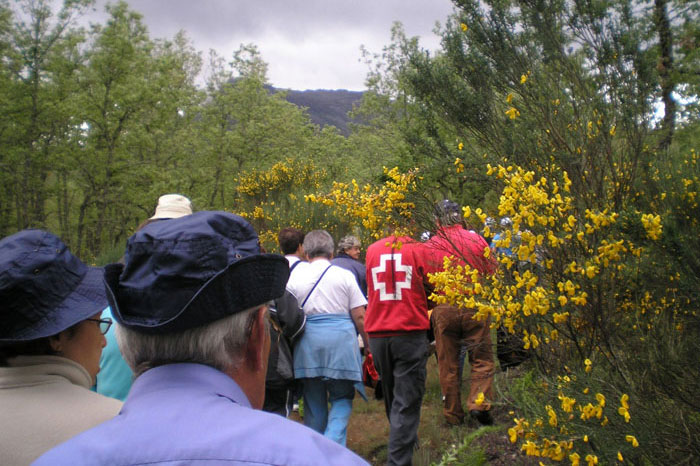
x=191 y=306
x=51 y=338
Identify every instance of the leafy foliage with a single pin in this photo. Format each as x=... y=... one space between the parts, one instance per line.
x=558 y=100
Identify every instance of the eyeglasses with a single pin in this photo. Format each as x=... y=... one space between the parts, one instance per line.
x=104 y=324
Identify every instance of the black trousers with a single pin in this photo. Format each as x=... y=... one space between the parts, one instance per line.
x=400 y=361
x=279 y=400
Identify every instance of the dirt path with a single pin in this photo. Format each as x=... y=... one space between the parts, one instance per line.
x=368 y=431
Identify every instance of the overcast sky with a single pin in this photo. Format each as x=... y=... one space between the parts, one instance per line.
x=308 y=44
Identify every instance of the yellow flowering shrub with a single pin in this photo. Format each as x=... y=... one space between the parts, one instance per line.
x=372 y=208
x=283 y=175
x=568 y=290
x=273 y=198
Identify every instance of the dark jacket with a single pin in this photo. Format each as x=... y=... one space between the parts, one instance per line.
x=288 y=323
x=356 y=267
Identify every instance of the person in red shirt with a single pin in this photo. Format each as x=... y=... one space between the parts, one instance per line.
x=455 y=326
x=397 y=324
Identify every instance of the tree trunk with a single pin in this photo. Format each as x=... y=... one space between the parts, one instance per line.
x=665 y=68
x=81 y=226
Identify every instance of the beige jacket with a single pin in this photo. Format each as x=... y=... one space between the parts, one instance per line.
x=44 y=401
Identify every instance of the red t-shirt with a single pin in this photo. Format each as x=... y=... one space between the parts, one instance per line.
x=465 y=245
x=395 y=292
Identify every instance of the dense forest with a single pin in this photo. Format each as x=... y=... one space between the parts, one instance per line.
x=578 y=119
x=97 y=124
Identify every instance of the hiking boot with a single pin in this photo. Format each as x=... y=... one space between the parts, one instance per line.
x=483 y=417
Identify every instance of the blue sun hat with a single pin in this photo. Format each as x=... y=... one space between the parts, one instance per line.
x=190 y=271
x=44 y=289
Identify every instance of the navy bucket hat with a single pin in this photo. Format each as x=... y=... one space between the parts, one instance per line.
x=190 y=271
x=44 y=289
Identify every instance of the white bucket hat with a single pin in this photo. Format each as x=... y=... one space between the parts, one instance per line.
x=172 y=206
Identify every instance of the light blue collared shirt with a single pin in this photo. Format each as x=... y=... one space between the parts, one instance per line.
x=195 y=414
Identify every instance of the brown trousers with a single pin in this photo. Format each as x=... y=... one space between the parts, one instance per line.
x=453 y=327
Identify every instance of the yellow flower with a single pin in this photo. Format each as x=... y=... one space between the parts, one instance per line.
x=479 y=399
x=513 y=435
x=460 y=146
x=552 y=416
x=601 y=399
x=591 y=271
x=512 y=113
x=623 y=410
x=509 y=98
x=574 y=458
x=632 y=439
x=588 y=364
x=464 y=27
x=652 y=224
x=624 y=399
x=567 y=404
x=619 y=457
x=466 y=211
x=523 y=79
x=591 y=460
x=530 y=448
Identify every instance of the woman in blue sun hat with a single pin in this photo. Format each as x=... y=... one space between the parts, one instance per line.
x=51 y=338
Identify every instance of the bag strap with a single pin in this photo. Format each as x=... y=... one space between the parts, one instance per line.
x=315 y=284
x=293 y=265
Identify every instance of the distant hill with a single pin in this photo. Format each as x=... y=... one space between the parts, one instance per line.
x=326 y=107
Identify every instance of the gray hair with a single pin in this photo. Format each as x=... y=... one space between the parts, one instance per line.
x=347 y=242
x=217 y=344
x=318 y=243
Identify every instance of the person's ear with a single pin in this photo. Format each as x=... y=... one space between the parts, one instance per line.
x=256 y=357
x=56 y=342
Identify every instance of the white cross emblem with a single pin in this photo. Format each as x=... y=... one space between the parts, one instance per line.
x=398 y=285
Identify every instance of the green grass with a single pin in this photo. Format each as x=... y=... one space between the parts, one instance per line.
x=439 y=443
x=466 y=453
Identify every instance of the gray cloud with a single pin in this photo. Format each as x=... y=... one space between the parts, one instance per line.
x=307 y=43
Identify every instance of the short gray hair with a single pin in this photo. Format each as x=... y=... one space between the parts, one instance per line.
x=217 y=344
x=347 y=242
x=318 y=243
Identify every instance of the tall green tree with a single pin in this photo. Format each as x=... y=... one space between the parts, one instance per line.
x=6 y=124
x=167 y=139
x=243 y=125
x=35 y=119
x=409 y=132
x=576 y=81
x=135 y=93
